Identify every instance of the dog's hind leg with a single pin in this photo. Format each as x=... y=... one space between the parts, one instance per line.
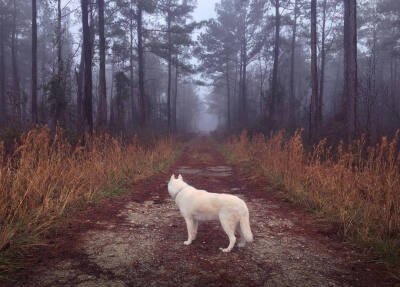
x=242 y=240
x=229 y=225
x=190 y=230
x=195 y=226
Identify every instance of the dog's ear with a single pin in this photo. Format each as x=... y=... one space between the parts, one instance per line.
x=172 y=177
x=180 y=177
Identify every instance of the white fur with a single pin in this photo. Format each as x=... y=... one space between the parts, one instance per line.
x=199 y=205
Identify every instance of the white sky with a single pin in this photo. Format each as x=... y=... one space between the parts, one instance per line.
x=204 y=10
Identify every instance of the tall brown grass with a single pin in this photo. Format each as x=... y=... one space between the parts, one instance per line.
x=46 y=174
x=356 y=185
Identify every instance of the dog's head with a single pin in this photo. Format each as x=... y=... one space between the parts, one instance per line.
x=175 y=185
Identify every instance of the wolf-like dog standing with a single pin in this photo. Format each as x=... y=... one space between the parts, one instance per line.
x=199 y=205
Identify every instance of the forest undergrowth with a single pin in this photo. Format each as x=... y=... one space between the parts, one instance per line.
x=46 y=176
x=356 y=186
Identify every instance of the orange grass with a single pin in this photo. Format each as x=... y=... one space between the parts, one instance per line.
x=358 y=186
x=45 y=175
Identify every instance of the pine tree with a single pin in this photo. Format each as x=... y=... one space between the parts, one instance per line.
x=350 y=67
x=102 y=118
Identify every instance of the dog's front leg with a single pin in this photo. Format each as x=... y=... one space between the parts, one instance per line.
x=190 y=230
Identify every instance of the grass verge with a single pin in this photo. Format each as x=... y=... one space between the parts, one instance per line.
x=357 y=187
x=46 y=178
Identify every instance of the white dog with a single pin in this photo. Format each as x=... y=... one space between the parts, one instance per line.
x=199 y=205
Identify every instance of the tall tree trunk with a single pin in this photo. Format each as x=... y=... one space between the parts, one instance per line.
x=395 y=80
x=59 y=41
x=240 y=91
x=102 y=76
x=112 y=112
x=274 y=84
x=228 y=97
x=3 y=108
x=371 y=93
x=350 y=67
x=323 y=60
x=88 y=119
x=16 y=85
x=141 y=65
x=169 y=70
x=314 y=124
x=176 y=93
x=244 y=86
x=79 y=96
x=59 y=105
x=34 y=63
x=261 y=91
x=336 y=109
x=235 y=88
x=131 y=63
x=292 y=117
x=80 y=79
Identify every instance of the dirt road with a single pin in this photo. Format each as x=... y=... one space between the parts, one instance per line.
x=137 y=240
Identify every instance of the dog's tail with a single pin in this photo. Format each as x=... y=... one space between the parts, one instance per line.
x=245 y=227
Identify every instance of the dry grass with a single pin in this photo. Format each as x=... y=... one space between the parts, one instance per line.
x=357 y=186
x=45 y=175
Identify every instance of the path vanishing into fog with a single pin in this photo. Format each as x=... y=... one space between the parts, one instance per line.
x=137 y=239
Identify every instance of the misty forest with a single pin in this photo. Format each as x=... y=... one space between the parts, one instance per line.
x=296 y=100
